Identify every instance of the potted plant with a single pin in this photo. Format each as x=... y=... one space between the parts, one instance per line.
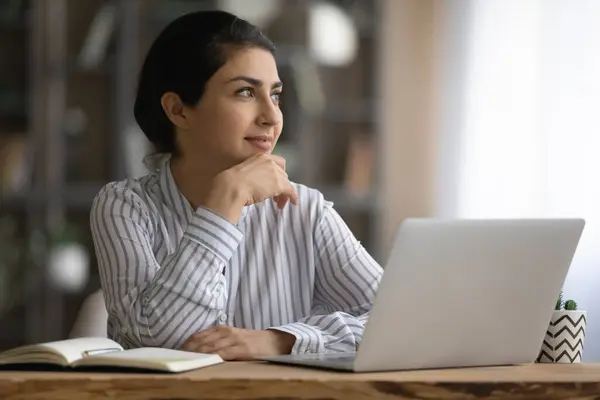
x=565 y=335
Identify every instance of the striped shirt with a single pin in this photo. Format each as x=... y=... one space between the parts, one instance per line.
x=168 y=271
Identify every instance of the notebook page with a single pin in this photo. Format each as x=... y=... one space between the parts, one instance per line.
x=74 y=349
x=154 y=358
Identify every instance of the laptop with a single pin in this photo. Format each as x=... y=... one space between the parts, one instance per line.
x=461 y=293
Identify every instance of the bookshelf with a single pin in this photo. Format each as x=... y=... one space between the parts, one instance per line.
x=70 y=114
x=64 y=113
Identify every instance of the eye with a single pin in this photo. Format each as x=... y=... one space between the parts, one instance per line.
x=245 y=92
x=276 y=97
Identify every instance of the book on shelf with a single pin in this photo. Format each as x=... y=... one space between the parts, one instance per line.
x=99 y=352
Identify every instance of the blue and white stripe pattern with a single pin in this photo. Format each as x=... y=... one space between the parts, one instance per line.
x=168 y=271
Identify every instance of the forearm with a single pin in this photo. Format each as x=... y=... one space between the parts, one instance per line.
x=187 y=297
x=346 y=281
x=188 y=293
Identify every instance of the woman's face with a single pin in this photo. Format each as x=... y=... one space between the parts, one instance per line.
x=238 y=115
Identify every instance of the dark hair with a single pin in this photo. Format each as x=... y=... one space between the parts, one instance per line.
x=182 y=59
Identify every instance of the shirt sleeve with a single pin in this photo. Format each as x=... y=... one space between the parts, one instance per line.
x=346 y=281
x=152 y=304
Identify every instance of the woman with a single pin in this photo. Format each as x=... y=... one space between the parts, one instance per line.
x=216 y=251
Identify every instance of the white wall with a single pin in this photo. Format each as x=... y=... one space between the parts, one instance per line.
x=407 y=88
x=570 y=101
x=519 y=132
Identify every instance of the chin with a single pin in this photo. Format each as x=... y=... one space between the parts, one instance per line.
x=243 y=156
x=253 y=151
x=248 y=151
x=263 y=151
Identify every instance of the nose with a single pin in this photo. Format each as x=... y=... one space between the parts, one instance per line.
x=270 y=114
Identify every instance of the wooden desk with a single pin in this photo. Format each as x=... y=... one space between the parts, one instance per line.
x=265 y=381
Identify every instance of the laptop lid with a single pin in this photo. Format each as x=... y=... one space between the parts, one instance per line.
x=467 y=293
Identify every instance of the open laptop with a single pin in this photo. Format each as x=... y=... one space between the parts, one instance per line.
x=461 y=293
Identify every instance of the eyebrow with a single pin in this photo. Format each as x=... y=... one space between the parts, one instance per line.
x=253 y=81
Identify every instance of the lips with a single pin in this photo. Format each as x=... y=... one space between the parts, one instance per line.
x=262 y=142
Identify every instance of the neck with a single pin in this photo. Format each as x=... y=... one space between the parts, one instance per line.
x=194 y=178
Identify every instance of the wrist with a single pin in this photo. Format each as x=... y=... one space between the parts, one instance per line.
x=226 y=199
x=284 y=342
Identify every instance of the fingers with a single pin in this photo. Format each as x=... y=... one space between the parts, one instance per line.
x=273 y=182
x=280 y=161
x=209 y=335
x=222 y=340
x=280 y=200
x=235 y=353
x=288 y=194
x=293 y=195
x=216 y=345
x=262 y=157
x=287 y=191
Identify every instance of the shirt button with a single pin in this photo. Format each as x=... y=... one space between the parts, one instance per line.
x=223 y=317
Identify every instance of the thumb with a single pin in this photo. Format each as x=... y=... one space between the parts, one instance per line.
x=279 y=161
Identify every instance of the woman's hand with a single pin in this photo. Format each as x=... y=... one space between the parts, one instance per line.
x=239 y=344
x=262 y=177
x=255 y=180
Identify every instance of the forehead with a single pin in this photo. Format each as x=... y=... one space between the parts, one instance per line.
x=253 y=62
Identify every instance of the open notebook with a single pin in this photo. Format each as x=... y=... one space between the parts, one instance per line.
x=103 y=352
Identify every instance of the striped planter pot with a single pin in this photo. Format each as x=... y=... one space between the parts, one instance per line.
x=564 y=338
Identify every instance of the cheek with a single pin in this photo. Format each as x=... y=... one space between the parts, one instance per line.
x=279 y=127
x=234 y=122
x=236 y=113
x=223 y=121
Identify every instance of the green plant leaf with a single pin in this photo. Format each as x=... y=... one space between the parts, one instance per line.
x=559 y=301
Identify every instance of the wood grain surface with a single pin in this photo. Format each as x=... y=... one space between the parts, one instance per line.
x=266 y=381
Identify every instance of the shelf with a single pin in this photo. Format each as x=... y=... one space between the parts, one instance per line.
x=80 y=196
x=16 y=122
x=13 y=100
x=13 y=25
x=103 y=70
x=13 y=337
x=77 y=196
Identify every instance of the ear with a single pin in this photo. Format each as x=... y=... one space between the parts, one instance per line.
x=175 y=109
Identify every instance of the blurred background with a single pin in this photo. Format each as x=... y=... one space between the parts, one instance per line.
x=393 y=109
